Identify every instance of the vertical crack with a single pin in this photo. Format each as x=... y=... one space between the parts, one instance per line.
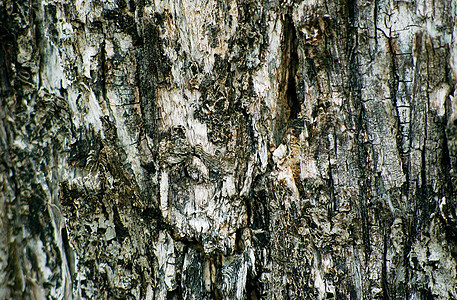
x=385 y=284
x=292 y=68
x=364 y=185
x=351 y=11
x=394 y=82
x=103 y=69
x=375 y=20
x=289 y=105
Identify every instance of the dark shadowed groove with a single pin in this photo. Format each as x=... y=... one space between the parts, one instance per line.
x=103 y=70
x=292 y=69
x=385 y=284
x=354 y=91
x=290 y=107
x=375 y=20
x=351 y=11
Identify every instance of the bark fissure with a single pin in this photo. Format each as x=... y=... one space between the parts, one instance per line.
x=290 y=107
x=385 y=283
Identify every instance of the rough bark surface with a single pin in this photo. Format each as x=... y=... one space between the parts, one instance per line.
x=228 y=149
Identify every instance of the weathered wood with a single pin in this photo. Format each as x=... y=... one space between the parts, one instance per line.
x=228 y=149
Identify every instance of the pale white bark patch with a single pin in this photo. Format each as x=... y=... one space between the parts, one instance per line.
x=164 y=193
x=87 y=58
x=177 y=110
x=286 y=177
x=94 y=112
x=109 y=49
x=124 y=41
x=308 y=168
x=53 y=75
x=200 y=224
x=279 y=154
x=165 y=254
x=42 y=259
x=438 y=98
x=228 y=186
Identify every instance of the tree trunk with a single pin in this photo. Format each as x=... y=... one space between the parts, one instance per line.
x=228 y=149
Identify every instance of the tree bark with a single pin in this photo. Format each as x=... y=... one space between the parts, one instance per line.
x=228 y=149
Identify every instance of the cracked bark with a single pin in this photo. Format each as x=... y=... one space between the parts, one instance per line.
x=228 y=150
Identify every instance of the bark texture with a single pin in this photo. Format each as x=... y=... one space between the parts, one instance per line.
x=228 y=149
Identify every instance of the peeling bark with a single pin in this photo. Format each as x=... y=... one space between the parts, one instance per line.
x=228 y=149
